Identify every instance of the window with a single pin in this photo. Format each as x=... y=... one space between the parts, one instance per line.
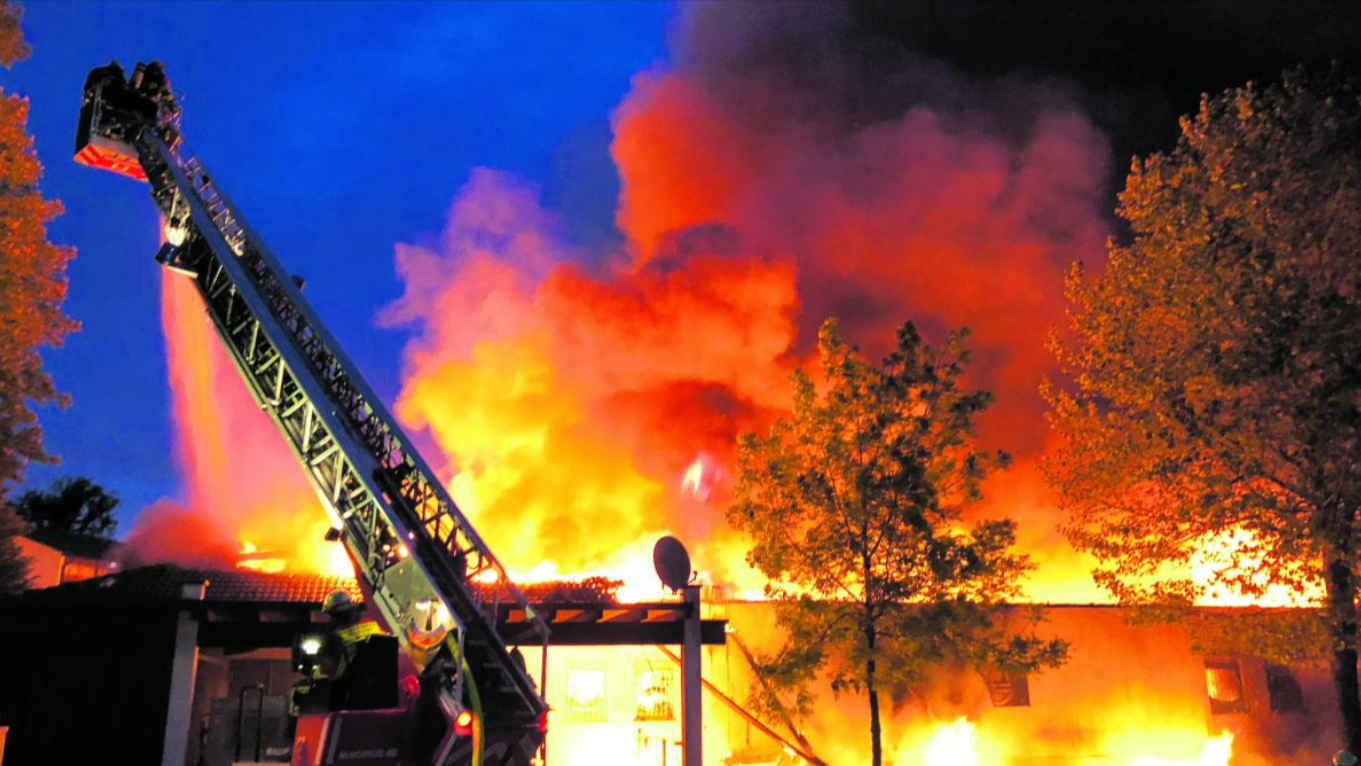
x=1224 y=685
x=75 y=571
x=1007 y=689
x=586 y=694
x=1283 y=690
x=653 y=697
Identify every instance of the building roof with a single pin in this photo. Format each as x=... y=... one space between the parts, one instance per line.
x=74 y=545
x=169 y=583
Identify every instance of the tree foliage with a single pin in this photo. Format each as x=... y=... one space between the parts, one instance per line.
x=32 y=287
x=32 y=277
x=1216 y=363
x=13 y=565
x=75 y=505
x=854 y=505
x=13 y=47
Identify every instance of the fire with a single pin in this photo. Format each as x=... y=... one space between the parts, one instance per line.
x=252 y=558
x=631 y=565
x=694 y=476
x=958 y=742
x=953 y=745
x=567 y=390
x=699 y=479
x=568 y=406
x=1237 y=554
x=1217 y=752
x=961 y=743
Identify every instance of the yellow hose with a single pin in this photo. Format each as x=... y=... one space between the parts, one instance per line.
x=475 y=701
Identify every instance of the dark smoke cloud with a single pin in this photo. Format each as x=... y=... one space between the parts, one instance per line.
x=1132 y=66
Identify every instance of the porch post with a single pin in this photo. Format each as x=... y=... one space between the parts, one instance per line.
x=183 y=669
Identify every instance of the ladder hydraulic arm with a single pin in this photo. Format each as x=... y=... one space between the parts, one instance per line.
x=433 y=580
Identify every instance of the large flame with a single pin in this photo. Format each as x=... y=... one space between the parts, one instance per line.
x=962 y=742
x=953 y=745
x=1237 y=555
x=1217 y=752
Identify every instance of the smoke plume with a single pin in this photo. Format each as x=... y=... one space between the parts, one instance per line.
x=769 y=179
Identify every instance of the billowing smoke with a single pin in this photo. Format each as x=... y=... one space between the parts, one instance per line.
x=774 y=176
x=570 y=400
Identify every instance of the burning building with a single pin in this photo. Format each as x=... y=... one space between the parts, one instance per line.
x=583 y=403
x=191 y=666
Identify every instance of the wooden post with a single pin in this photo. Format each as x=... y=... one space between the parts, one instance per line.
x=692 y=704
x=183 y=670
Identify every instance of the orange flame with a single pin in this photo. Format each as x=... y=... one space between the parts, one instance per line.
x=953 y=745
x=1237 y=553
x=1217 y=752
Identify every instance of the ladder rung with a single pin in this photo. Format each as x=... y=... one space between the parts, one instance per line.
x=329 y=451
x=294 y=407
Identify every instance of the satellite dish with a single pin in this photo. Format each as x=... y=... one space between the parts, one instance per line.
x=672 y=562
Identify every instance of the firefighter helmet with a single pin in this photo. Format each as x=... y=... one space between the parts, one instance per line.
x=338 y=601
x=1344 y=758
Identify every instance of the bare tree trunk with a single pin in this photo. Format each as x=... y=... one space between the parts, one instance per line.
x=1342 y=619
x=876 y=734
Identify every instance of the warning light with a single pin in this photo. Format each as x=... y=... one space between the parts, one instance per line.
x=463 y=724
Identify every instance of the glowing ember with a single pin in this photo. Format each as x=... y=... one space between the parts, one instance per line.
x=953 y=745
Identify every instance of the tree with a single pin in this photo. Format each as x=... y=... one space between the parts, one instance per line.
x=75 y=505
x=852 y=505
x=32 y=287
x=13 y=565
x=1216 y=365
x=32 y=277
x=13 y=47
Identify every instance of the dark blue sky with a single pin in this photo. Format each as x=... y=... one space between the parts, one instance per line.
x=340 y=129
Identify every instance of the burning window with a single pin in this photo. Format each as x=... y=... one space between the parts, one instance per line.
x=1224 y=685
x=653 y=698
x=586 y=694
x=1284 y=691
x=75 y=571
x=1007 y=689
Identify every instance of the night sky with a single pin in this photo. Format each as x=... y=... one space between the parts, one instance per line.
x=340 y=129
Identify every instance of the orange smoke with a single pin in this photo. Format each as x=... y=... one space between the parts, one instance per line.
x=245 y=492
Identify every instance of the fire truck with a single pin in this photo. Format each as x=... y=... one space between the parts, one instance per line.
x=425 y=572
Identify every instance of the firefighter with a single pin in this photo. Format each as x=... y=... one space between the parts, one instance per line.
x=1344 y=758
x=349 y=632
x=324 y=660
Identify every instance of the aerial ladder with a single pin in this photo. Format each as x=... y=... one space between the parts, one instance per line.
x=431 y=578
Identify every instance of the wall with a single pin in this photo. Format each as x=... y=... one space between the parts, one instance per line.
x=81 y=684
x=44 y=563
